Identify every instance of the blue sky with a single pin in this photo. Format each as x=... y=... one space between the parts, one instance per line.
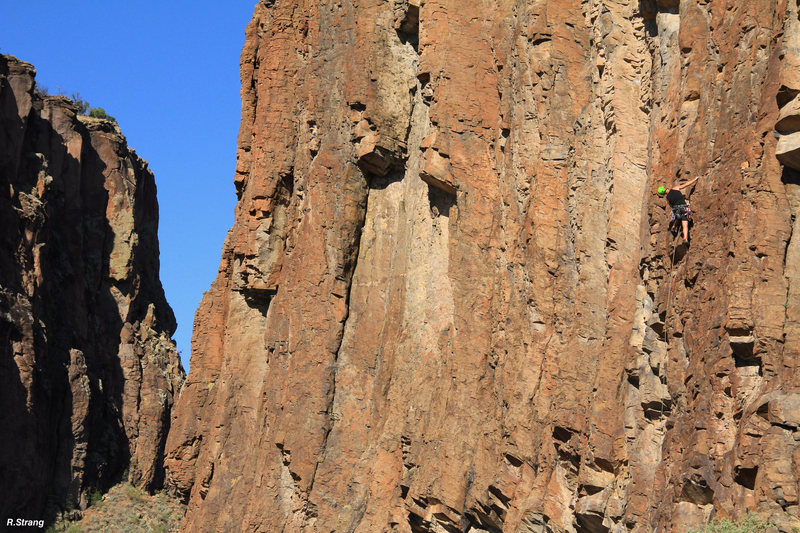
x=169 y=72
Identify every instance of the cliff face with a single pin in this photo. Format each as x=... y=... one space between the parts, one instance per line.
x=88 y=369
x=450 y=301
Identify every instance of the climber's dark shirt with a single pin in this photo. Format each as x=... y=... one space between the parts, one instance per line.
x=675 y=197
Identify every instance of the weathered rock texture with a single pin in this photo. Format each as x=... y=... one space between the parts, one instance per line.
x=87 y=370
x=449 y=302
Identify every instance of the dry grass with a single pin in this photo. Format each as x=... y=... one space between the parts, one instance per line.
x=126 y=508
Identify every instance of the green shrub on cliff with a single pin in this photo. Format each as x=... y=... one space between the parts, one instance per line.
x=84 y=108
x=99 y=112
x=80 y=103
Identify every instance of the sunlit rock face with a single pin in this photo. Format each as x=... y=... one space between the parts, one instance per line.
x=88 y=372
x=450 y=301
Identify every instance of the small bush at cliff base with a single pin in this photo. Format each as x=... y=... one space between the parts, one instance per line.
x=134 y=494
x=95 y=497
x=750 y=524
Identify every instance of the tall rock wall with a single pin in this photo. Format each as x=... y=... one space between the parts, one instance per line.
x=87 y=371
x=450 y=301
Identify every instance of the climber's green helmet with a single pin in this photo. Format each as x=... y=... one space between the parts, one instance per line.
x=661 y=190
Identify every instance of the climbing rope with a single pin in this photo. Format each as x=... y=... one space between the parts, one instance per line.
x=669 y=305
x=669 y=291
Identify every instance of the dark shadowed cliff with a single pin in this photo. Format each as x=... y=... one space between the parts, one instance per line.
x=88 y=372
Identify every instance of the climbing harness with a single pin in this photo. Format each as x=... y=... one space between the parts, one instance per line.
x=680 y=212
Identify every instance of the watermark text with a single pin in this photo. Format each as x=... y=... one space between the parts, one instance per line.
x=24 y=522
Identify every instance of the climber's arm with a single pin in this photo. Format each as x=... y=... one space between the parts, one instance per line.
x=687 y=184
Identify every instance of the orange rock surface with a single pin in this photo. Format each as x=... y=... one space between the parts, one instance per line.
x=450 y=301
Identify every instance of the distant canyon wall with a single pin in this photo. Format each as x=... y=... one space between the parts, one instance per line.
x=88 y=372
x=450 y=301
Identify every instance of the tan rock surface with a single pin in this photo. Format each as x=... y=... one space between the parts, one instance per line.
x=88 y=371
x=448 y=301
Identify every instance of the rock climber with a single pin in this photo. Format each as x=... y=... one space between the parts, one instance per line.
x=680 y=210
